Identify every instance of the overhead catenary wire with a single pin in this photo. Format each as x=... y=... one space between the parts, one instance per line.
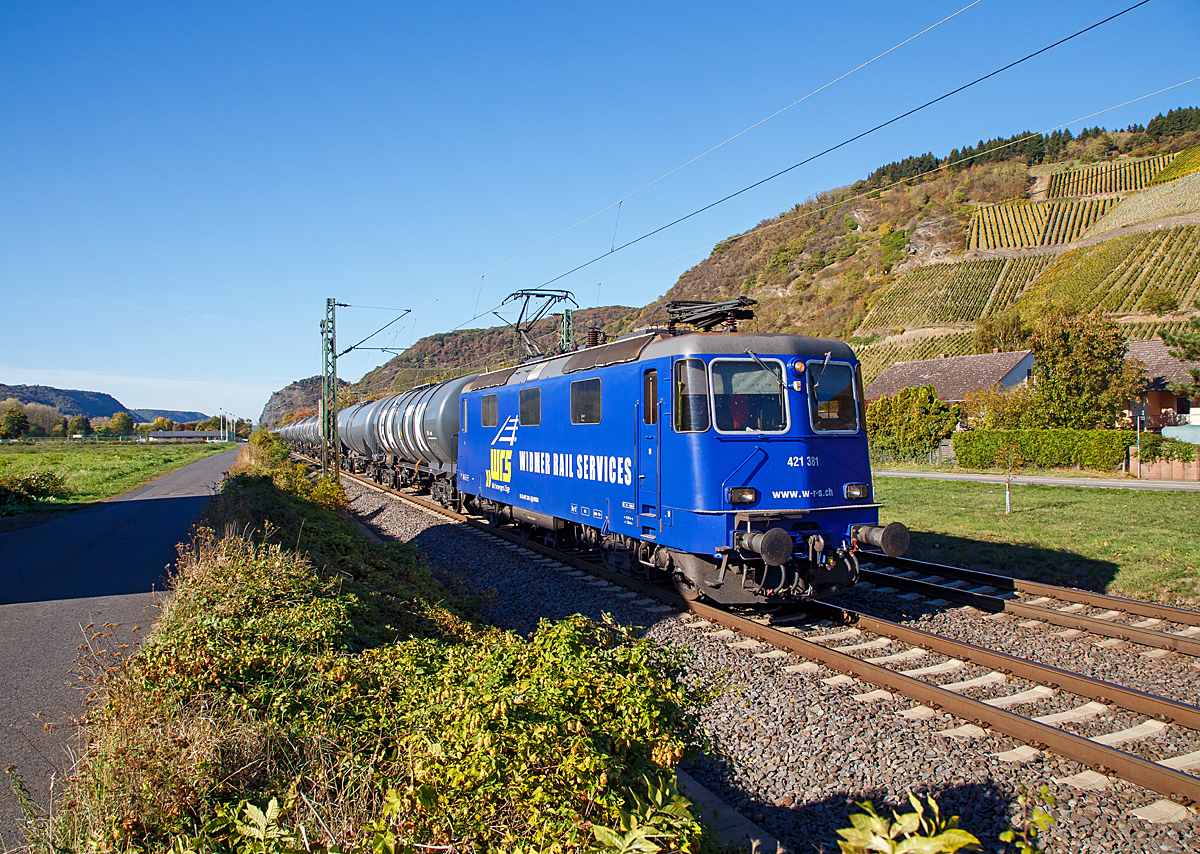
x=947 y=164
x=819 y=209
x=705 y=153
x=846 y=142
x=939 y=168
x=404 y=311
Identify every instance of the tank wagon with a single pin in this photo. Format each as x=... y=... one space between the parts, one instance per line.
x=735 y=464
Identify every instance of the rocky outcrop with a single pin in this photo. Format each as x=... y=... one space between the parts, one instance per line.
x=302 y=394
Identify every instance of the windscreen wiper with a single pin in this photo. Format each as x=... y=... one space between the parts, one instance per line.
x=763 y=365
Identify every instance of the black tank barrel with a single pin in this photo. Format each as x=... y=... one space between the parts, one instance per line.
x=774 y=545
x=891 y=540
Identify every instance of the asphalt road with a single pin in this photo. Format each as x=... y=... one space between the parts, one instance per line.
x=95 y=566
x=1026 y=480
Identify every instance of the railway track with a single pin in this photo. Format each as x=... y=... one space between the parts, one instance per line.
x=892 y=674
x=1160 y=627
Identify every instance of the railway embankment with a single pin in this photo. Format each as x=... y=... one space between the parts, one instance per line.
x=308 y=688
x=794 y=745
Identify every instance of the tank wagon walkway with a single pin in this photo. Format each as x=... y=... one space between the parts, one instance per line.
x=1050 y=480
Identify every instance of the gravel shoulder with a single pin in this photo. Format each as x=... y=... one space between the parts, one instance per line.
x=793 y=753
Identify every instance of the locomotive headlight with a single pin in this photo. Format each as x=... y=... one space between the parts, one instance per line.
x=743 y=495
x=855 y=491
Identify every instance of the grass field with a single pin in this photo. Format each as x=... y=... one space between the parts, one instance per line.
x=1141 y=544
x=94 y=472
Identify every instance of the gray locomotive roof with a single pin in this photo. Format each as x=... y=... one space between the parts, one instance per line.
x=656 y=344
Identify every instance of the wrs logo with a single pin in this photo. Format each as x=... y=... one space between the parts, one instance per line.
x=500 y=467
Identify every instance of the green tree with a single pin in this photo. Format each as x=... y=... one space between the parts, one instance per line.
x=1185 y=345
x=121 y=424
x=911 y=422
x=80 y=426
x=1006 y=331
x=60 y=426
x=13 y=423
x=1081 y=375
x=161 y=423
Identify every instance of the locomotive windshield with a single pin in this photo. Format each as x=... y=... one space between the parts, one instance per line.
x=831 y=399
x=748 y=396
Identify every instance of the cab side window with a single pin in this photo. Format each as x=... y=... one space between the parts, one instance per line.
x=488 y=411
x=650 y=396
x=691 y=396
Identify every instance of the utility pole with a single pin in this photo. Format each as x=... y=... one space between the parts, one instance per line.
x=329 y=391
x=566 y=334
x=330 y=447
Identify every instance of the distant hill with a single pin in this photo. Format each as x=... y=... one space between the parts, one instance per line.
x=90 y=404
x=302 y=394
x=176 y=415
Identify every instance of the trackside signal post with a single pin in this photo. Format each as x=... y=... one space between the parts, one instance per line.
x=329 y=390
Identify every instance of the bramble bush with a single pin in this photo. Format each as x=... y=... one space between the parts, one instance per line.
x=19 y=491
x=309 y=689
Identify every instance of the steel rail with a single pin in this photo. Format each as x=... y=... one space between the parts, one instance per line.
x=1170 y=613
x=996 y=605
x=1130 y=699
x=1151 y=775
x=1143 y=772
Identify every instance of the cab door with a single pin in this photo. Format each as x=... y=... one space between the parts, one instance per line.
x=649 y=467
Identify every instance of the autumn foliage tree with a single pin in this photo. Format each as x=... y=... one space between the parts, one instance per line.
x=1000 y=408
x=1081 y=375
x=13 y=423
x=120 y=424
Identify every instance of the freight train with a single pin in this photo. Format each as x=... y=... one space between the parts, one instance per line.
x=734 y=464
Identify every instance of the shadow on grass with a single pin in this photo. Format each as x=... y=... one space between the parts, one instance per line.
x=1034 y=563
x=812 y=825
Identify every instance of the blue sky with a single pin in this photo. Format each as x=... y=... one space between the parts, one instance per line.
x=184 y=184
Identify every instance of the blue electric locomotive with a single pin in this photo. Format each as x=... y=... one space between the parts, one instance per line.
x=734 y=463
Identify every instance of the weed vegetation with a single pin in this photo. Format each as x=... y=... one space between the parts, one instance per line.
x=1133 y=543
x=58 y=477
x=308 y=689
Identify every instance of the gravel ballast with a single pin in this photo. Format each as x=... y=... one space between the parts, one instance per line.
x=793 y=753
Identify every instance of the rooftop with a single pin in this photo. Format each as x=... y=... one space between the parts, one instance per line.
x=1161 y=367
x=952 y=377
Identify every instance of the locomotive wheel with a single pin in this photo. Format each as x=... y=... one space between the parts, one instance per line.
x=685 y=588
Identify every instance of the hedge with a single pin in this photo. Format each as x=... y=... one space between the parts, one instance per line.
x=1103 y=450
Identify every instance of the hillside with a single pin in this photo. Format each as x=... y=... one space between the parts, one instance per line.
x=70 y=402
x=908 y=262
x=821 y=267
x=451 y=354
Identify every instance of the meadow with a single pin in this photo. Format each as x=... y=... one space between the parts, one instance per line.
x=93 y=472
x=1141 y=544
